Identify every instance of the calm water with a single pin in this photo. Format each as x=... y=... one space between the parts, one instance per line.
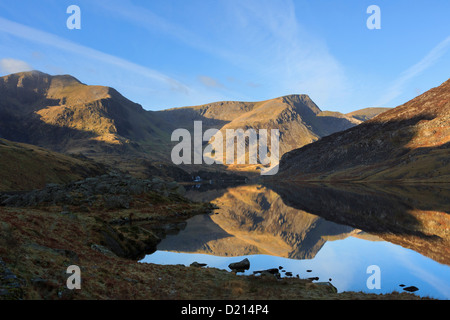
x=321 y=231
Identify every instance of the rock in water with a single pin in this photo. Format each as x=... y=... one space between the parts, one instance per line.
x=240 y=266
x=271 y=271
x=197 y=265
x=411 y=289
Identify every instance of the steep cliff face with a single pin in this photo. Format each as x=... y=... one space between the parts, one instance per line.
x=410 y=142
x=298 y=119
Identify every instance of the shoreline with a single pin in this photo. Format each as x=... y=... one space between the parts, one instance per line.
x=38 y=242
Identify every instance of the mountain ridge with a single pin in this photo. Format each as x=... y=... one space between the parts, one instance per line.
x=409 y=142
x=299 y=120
x=94 y=112
x=61 y=113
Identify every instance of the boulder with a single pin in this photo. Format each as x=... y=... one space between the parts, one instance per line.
x=103 y=250
x=411 y=289
x=240 y=266
x=197 y=265
x=329 y=286
x=271 y=271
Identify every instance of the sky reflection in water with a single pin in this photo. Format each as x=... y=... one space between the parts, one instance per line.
x=339 y=253
x=345 y=262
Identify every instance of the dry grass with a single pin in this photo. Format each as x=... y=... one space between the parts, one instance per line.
x=47 y=242
x=25 y=167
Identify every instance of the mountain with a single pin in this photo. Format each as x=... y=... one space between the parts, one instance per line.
x=366 y=113
x=26 y=167
x=407 y=143
x=63 y=114
x=60 y=113
x=298 y=119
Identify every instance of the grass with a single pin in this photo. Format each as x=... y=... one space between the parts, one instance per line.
x=38 y=245
x=25 y=167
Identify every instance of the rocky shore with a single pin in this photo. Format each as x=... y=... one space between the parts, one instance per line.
x=115 y=189
x=104 y=225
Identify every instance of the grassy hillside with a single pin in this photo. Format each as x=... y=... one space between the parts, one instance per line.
x=25 y=167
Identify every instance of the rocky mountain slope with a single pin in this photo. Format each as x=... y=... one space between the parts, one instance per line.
x=366 y=113
x=63 y=114
x=410 y=142
x=298 y=119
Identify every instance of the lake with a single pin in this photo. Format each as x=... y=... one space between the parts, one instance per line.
x=331 y=232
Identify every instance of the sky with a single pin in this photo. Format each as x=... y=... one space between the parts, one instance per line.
x=173 y=53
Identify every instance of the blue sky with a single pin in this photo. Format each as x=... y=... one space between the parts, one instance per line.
x=175 y=53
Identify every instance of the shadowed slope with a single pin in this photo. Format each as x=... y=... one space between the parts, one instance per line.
x=36 y=106
x=409 y=142
x=27 y=167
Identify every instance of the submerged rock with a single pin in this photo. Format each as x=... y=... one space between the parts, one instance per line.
x=197 y=265
x=313 y=278
x=411 y=289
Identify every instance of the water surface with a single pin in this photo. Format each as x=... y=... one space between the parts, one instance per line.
x=333 y=233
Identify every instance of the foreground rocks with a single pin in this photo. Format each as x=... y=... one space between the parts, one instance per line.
x=114 y=189
x=40 y=240
x=240 y=266
x=10 y=284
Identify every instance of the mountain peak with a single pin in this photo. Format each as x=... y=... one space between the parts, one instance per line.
x=296 y=96
x=65 y=80
x=44 y=77
x=63 y=114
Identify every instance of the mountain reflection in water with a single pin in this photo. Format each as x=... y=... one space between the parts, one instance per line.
x=297 y=222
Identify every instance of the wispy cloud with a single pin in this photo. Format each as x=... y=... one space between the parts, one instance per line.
x=51 y=40
x=263 y=40
x=295 y=59
x=398 y=86
x=287 y=58
x=143 y=17
x=210 y=82
x=9 y=65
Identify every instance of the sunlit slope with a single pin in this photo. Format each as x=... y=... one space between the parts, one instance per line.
x=407 y=143
x=298 y=119
x=63 y=114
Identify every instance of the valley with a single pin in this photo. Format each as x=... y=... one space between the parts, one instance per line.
x=84 y=160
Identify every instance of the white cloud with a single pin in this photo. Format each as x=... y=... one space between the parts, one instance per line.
x=284 y=52
x=49 y=39
x=263 y=39
x=398 y=86
x=210 y=82
x=9 y=65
